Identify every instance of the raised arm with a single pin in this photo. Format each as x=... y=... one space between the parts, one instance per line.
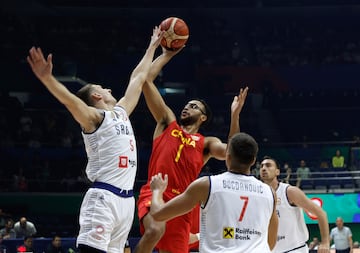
x=140 y=73
x=155 y=102
x=197 y=192
x=86 y=116
x=217 y=148
x=236 y=107
x=298 y=197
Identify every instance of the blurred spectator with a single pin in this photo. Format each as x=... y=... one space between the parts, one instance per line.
x=24 y=132
x=27 y=246
x=290 y=177
x=256 y=170
x=356 y=245
x=3 y=248
x=324 y=165
x=24 y=228
x=55 y=245
x=302 y=172
x=8 y=231
x=22 y=184
x=19 y=181
x=313 y=245
x=338 y=160
x=342 y=237
x=3 y=218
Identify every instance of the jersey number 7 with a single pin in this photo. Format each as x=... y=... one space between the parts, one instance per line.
x=246 y=200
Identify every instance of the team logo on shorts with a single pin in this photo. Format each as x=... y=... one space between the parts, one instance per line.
x=100 y=229
x=228 y=233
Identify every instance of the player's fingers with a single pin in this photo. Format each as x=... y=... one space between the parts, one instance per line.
x=36 y=54
x=28 y=59
x=243 y=92
x=32 y=53
x=49 y=58
x=40 y=52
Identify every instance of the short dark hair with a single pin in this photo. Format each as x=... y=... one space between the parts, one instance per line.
x=56 y=236
x=9 y=220
x=84 y=94
x=28 y=237
x=208 y=111
x=275 y=161
x=243 y=149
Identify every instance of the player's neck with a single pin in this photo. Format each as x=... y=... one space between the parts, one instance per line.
x=275 y=184
x=102 y=105
x=246 y=173
x=190 y=129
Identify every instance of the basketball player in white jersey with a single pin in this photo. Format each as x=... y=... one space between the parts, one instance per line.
x=107 y=210
x=237 y=210
x=293 y=233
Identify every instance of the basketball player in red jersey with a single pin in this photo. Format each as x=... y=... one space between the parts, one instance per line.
x=179 y=151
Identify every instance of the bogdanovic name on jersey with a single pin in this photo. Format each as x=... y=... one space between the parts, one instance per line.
x=243 y=186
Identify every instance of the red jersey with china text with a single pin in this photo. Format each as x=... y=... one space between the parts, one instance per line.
x=178 y=154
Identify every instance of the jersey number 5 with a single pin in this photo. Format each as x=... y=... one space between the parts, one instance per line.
x=246 y=200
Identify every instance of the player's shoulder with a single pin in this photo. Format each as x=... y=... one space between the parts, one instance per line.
x=293 y=192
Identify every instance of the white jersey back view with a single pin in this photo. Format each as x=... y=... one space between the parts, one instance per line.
x=111 y=151
x=236 y=216
x=292 y=232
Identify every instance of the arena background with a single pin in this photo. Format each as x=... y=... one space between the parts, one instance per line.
x=299 y=58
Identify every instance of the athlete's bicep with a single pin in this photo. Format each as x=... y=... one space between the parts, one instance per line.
x=216 y=148
x=298 y=198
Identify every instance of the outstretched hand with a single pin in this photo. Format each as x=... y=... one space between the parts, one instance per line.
x=239 y=101
x=156 y=37
x=42 y=68
x=158 y=183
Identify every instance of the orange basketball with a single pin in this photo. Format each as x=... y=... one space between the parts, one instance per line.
x=176 y=33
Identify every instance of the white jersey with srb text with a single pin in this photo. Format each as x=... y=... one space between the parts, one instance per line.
x=237 y=214
x=292 y=230
x=111 y=151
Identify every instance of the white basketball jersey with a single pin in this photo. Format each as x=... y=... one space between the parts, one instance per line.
x=236 y=216
x=292 y=231
x=111 y=151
